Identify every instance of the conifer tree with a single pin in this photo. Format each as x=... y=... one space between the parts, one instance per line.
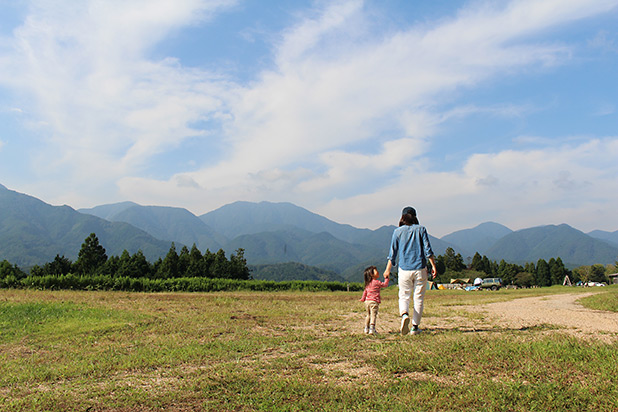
x=543 y=277
x=91 y=256
x=169 y=266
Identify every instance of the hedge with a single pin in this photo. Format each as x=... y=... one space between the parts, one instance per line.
x=193 y=284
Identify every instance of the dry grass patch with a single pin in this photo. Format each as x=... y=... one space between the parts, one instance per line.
x=287 y=351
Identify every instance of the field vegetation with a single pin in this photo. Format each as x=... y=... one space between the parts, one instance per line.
x=289 y=351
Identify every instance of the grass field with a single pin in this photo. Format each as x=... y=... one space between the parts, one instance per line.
x=288 y=351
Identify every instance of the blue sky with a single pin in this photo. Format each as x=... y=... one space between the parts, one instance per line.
x=470 y=111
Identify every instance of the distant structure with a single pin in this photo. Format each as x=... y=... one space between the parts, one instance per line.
x=613 y=278
x=567 y=281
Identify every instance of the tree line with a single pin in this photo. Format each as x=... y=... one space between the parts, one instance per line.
x=543 y=273
x=92 y=260
x=191 y=263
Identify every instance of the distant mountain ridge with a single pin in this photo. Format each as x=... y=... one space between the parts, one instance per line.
x=571 y=245
x=270 y=233
x=34 y=232
x=611 y=237
x=293 y=270
x=166 y=223
x=316 y=249
x=245 y=218
x=478 y=239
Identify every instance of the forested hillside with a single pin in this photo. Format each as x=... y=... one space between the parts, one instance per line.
x=166 y=223
x=33 y=232
x=572 y=245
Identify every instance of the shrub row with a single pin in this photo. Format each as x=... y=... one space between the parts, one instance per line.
x=103 y=282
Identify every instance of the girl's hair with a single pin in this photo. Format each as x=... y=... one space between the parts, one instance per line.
x=408 y=219
x=369 y=274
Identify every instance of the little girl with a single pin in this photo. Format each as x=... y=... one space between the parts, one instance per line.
x=371 y=297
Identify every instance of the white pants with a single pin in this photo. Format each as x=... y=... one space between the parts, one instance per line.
x=412 y=283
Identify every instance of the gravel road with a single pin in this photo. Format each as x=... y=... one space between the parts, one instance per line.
x=560 y=310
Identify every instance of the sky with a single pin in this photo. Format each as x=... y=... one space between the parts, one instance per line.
x=469 y=111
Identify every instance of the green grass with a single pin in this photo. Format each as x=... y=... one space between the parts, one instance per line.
x=606 y=300
x=285 y=351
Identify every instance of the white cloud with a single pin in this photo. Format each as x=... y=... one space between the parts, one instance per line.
x=604 y=41
x=320 y=108
x=106 y=107
x=308 y=38
x=341 y=123
x=517 y=188
x=345 y=168
x=316 y=103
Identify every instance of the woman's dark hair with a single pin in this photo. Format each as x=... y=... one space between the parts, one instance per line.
x=369 y=274
x=408 y=220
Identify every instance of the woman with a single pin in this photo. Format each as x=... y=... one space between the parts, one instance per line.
x=410 y=248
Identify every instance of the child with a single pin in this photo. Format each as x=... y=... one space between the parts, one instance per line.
x=371 y=297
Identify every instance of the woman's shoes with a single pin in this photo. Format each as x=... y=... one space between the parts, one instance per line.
x=405 y=324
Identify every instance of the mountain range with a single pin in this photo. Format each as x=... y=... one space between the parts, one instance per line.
x=33 y=232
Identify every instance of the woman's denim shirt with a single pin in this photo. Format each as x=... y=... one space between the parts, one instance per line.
x=411 y=244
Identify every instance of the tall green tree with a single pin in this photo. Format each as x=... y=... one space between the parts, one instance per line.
x=238 y=265
x=543 y=277
x=157 y=273
x=477 y=262
x=508 y=272
x=7 y=270
x=124 y=264
x=197 y=265
x=597 y=273
x=529 y=267
x=220 y=266
x=91 y=256
x=111 y=267
x=59 y=266
x=169 y=266
x=184 y=260
x=453 y=261
x=140 y=267
x=135 y=266
x=488 y=266
x=209 y=261
x=557 y=271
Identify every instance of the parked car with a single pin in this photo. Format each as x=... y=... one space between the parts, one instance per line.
x=492 y=283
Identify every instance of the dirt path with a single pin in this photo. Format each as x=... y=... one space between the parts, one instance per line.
x=562 y=311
